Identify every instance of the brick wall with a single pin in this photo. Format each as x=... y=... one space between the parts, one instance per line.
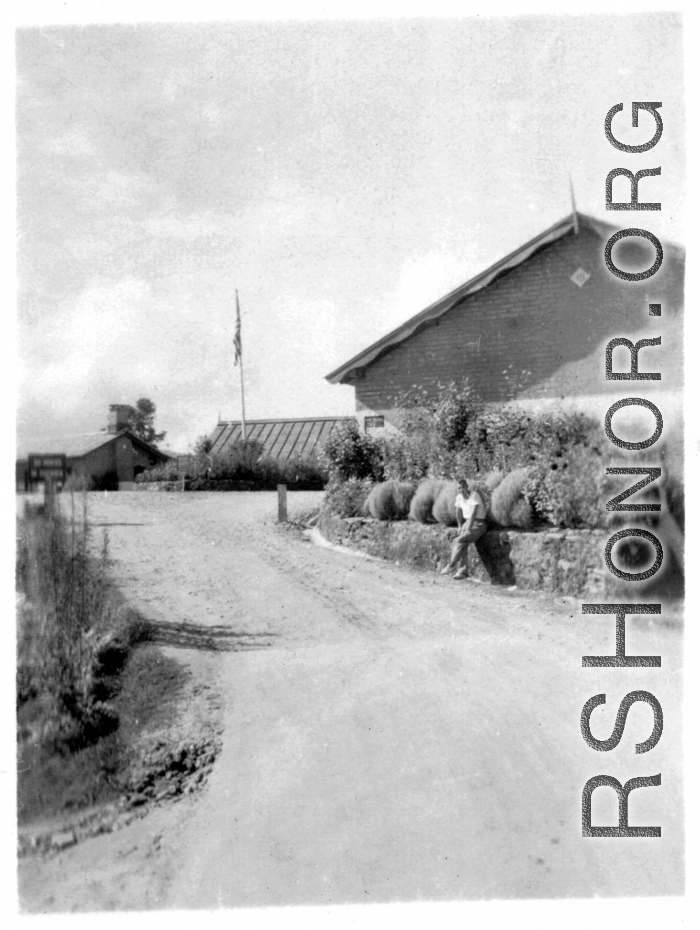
x=120 y=456
x=96 y=463
x=534 y=333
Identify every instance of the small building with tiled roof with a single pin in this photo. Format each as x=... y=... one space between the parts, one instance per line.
x=110 y=458
x=280 y=439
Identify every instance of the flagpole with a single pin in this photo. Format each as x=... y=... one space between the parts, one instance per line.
x=243 y=429
x=239 y=358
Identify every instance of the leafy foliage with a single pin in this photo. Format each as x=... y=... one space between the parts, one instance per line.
x=553 y=460
x=238 y=462
x=243 y=462
x=571 y=491
x=142 y=421
x=166 y=471
x=347 y=498
x=457 y=436
x=406 y=457
x=349 y=453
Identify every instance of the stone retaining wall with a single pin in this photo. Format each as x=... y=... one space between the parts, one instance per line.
x=566 y=562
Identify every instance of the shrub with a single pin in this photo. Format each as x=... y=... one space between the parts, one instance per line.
x=444 y=510
x=238 y=461
x=509 y=506
x=403 y=495
x=512 y=438
x=492 y=479
x=522 y=514
x=348 y=453
x=454 y=427
x=347 y=498
x=299 y=473
x=433 y=431
x=456 y=434
x=303 y=472
x=424 y=500
x=406 y=457
x=570 y=492
x=390 y=500
x=167 y=471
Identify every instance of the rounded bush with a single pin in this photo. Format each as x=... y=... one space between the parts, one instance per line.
x=493 y=478
x=390 y=500
x=444 y=510
x=403 y=495
x=522 y=514
x=424 y=500
x=505 y=500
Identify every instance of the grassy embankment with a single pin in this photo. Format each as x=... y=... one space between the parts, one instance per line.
x=88 y=681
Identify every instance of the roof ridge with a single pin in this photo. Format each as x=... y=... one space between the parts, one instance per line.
x=476 y=283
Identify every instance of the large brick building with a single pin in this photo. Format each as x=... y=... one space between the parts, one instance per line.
x=532 y=328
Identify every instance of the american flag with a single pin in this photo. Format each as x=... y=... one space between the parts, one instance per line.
x=237 y=346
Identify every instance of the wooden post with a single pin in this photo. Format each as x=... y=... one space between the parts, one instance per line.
x=281 y=503
x=49 y=496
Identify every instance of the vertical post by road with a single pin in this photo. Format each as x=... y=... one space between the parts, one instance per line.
x=281 y=503
x=49 y=492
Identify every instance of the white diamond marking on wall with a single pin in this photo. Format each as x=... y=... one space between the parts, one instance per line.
x=579 y=277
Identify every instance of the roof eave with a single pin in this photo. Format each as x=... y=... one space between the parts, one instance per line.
x=441 y=306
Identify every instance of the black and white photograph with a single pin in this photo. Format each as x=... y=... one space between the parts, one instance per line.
x=350 y=461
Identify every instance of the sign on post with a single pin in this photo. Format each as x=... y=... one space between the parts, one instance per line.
x=51 y=469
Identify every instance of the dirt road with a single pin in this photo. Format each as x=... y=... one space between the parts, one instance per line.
x=387 y=735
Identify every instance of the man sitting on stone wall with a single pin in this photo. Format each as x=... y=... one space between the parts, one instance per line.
x=471 y=519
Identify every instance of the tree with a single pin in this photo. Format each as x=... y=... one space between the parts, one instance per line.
x=141 y=421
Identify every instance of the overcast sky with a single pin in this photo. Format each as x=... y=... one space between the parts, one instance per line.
x=341 y=175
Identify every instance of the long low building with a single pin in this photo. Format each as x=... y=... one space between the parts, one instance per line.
x=110 y=458
x=281 y=439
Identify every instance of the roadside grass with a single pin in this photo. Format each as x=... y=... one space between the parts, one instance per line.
x=54 y=781
x=150 y=688
x=88 y=681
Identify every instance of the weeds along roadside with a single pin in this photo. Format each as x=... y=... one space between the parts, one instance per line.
x=73 y=640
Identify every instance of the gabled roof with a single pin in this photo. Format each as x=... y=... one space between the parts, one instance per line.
x=75 y=447
x=434 y=311
x=281 y=439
